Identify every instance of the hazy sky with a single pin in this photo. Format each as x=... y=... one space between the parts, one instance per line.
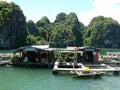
x=85 y=9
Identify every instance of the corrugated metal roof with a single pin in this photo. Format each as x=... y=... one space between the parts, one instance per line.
x=40 y=46
x=32 y=48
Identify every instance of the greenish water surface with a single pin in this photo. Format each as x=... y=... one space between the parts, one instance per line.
x=18 y=78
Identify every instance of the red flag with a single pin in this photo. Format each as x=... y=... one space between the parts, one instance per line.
x=47 y=35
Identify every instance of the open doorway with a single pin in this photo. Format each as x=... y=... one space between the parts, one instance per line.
x=32 y=56
x=89 y=56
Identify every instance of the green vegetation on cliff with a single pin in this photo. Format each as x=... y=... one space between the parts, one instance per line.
x=66 y=30
x=102 y=32
x=12 y=26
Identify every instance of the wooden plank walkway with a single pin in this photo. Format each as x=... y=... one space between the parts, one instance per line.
x=105 y=68
x=2 y=63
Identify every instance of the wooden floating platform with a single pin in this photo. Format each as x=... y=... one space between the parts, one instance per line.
x=2 y=63
x=34 y=65
x=104 y=68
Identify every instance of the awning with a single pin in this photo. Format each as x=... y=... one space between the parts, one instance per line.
x=32 y=48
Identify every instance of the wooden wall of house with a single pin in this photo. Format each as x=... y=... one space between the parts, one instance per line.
x=96 y=57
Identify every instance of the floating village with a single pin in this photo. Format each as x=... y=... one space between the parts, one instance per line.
x=77 y=61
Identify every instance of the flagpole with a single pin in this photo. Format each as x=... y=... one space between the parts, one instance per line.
x=47 y=38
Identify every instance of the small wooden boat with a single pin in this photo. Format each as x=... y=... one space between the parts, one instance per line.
x=86 y=73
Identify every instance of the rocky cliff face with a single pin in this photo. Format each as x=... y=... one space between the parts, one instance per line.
x=12 y=26
x=67 y=31
x=103 y=32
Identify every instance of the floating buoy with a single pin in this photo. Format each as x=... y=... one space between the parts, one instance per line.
x=87 y=68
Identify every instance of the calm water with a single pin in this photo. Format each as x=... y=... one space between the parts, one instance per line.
x=17 y=78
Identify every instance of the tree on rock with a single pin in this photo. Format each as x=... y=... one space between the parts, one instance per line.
x=12 y=26
x=102 y=32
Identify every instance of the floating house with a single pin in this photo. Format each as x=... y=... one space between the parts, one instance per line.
x=81 y=54
x=89 y=55
x=42 y=55
x=81 y=61
x=36 y=55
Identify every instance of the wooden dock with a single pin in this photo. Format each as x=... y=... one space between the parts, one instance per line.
x=2 y=63
x=104 y=68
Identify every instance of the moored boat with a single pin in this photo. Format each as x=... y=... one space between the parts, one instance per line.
x=86 y=73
